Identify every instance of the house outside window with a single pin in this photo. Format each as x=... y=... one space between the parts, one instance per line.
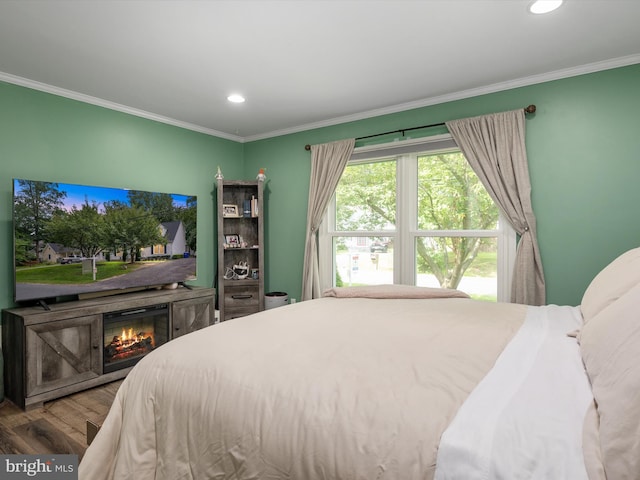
x=416 y=214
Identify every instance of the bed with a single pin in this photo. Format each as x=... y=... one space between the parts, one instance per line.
x=390 y=382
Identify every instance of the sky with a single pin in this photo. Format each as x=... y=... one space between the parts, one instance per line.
x=77 y=194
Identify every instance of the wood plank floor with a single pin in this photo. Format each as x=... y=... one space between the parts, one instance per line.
x=60 y=426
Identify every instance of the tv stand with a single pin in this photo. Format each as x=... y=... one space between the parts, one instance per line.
x=56 y=350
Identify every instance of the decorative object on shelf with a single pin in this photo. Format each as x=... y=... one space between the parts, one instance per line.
x=261 y=176
x=233 y=240
x=219 y=175
x=230 y=211
x=241 y=270
x=246 y=208
x=255 y=273
x=238 y=272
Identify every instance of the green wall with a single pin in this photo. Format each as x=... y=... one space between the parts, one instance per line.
x=583 y=147
x=51 y=138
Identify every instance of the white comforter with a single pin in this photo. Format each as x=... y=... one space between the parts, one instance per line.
x=335 y=388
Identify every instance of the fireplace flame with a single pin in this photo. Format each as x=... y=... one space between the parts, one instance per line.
x=128 y=338
x=129 y=344
x=124 y=337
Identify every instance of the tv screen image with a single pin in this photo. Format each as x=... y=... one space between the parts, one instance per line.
x=71 y=239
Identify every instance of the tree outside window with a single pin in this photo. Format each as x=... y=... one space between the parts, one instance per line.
x=452 y=198
x=423 y=213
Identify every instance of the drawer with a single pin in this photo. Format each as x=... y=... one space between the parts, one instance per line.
x=230 y=313
x=245 y=296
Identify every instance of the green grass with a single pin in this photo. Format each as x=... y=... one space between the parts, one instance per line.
x=71 y=273
x=484 y=265
x=484 y=298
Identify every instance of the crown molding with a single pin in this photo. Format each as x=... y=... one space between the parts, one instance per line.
x=474 y=92
x=81 y=97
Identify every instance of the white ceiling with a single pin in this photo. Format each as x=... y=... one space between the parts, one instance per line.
x=301 y=63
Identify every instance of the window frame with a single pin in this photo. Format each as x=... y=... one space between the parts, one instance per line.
x=404 y=235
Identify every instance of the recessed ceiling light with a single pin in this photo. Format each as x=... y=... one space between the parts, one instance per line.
x=235 y=98
x=544 y=6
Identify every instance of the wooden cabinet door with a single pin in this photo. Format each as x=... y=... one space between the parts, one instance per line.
x=62 y=353
x=190 y=315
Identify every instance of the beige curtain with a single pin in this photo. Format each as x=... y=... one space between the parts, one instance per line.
x=327 y=164
x=494 y=145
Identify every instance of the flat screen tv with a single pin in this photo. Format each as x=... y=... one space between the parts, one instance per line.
x=83 y=240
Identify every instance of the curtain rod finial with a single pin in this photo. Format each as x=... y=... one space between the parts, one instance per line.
x=307 y=147
x=530 y=109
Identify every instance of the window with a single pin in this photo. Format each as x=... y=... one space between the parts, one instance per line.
x=416 y=214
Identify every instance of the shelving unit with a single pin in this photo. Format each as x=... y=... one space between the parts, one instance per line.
x=240 y=240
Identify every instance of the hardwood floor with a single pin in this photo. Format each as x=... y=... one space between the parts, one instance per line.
x=60 y=426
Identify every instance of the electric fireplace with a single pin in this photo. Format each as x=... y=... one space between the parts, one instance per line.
x=130 y=334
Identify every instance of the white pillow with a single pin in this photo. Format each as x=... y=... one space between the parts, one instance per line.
x=611 y=283
x=610 y=348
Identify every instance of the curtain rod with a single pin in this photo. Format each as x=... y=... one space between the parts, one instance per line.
x=529 y=109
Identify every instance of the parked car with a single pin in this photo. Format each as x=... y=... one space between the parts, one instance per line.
x=377 y=247
x=71 y=259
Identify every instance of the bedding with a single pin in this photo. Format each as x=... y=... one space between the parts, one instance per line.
x=342 y=388
x=610 y=345
x=611 y=283
x=393 y=291
x=525 y=418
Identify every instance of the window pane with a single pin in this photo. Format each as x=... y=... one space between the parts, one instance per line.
x=450 y=195
x=362 y=261
x=469 y=264
x=366 y=197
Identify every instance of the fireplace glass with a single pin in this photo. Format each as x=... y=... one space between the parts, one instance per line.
x=130 y=334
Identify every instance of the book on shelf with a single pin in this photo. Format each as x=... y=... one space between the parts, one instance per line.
x=254 y=206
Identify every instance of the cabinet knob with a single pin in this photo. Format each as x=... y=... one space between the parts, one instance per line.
x=95 y=347
x=176 y=328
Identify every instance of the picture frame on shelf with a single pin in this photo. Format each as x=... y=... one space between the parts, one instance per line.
x=229 y=210
x=232 y=240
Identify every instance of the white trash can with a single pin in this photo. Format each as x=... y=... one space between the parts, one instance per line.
x=275 y=299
